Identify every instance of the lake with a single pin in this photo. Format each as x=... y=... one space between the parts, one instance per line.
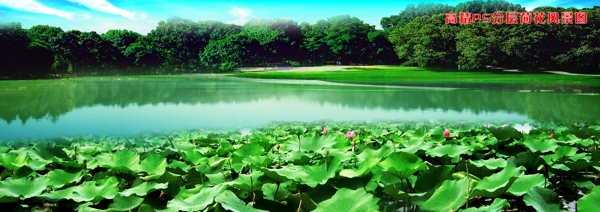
x=122 y=106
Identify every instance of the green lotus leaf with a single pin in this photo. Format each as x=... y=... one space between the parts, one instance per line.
x=308 y=204
x=249 y=150
x=124 y=161
x=58 y=177
x=497 y=184
x=175 y=164
x=561 y=152
x=529 y=160
x=504 y=133
x=57 y=195
x=450 y=196
x=340 y=154
x=311 y=143
x=403 y=164
x=85 y=207
x=525 y=182
x=155 y=165
x=452 y=151
x=143 y=188
x=349 y=200
x=125 y=203
x=578 y=162
x=382 y=152
x=497 y=205
x=414 y=145
x=415 y=134
x=298 y=158
x=198 y=201
x=491 y=164
x=23 y=188
x=432 y=178
x=272 y=192
x=539 y=145
x=193 y=156
x=47 y=152
x=146 y=208
x=229 y=201
x=363 y=168
x=14 y=161
x=95 y=191
x=589 y=202
x=286 y=173
x=247 y=182
x=398 y=194
x=319 y=174
x=542 y=199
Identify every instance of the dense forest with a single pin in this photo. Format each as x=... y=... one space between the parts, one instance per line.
x=418 y=36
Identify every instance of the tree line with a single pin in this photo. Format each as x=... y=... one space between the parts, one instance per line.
x=418 y=36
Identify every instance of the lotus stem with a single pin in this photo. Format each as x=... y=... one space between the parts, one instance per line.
x=298 y=142
x=276 y=191
x=253 y=194
x=300 y=196
x=170 y=141
x=468 y=182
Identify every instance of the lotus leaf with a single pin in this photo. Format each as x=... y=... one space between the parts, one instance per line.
x=497 y=184
x=589 y=202
x=349 y=200
x=125 y=161
x=23 y=188
x=525 y=182
x=198 y=201
x=154 y=165
x=450 y=196
x=497 y=205
x=229 y=201
x=538 y=145
x=126 y=203
x=58 y=177
x=363 y=169
x=274 y=191
x=143 y=188
x=14 y=161
x=402 y=164
x=319 y=174
x=542 y=199
x=93 y=191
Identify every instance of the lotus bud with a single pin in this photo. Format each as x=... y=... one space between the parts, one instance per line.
x=551 y=135
x=446 y=133
x=324 y=131
x=326 y=152
x=277 y=146
x=350 y=134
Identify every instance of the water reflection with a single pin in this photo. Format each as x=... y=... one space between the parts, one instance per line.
x=125 y=106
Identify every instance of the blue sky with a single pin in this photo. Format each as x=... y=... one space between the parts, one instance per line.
x=143 y=16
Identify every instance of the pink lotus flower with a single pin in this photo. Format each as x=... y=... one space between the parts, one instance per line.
x=324 y=131
x=350 y=134
x=446 y=133
x=551 y=135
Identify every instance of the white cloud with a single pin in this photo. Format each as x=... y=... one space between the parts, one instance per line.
x=241 y=15
x=105 y=6
x=143 y=16
x=529 y=6
x=32 y=6
x=86 y=16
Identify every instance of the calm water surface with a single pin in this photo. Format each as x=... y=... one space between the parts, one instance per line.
x=126 y=106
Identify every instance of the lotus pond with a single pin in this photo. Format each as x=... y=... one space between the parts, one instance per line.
x=173 y=143
x=319 y=166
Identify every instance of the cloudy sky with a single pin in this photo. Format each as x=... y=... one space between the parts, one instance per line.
x=142 y=16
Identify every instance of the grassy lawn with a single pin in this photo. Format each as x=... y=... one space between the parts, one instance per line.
x=424 y=76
